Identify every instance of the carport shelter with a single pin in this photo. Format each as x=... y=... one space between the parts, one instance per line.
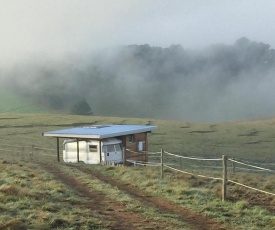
x=134 y=138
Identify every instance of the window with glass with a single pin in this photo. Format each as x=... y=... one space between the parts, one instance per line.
x=118 y=147
x=93 y=148
x=110 y=148
x=140 y=146
x=131 y=138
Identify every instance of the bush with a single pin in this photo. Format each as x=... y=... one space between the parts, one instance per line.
x=81 y=107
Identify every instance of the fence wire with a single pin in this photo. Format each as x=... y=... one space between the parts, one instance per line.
x=252 y=166
x=246 y=186
x=193 y=174
x=193 y=158
x=32 y=149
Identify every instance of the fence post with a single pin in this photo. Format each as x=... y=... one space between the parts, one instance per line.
x=224 y=181
x=161 y=164
x=31 y=155
x=233 y=165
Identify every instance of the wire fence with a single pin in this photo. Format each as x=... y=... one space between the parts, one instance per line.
x=177 y=163
x=174 y=162
x=27 y=150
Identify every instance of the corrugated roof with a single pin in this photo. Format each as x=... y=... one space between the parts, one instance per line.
x=99 y=131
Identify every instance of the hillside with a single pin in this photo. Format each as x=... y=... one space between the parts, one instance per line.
x=12 y=102
x=37 y=192
x=248 y=139
x=214 y=84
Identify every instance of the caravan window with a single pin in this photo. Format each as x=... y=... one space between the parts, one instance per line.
x=118 y=147
x=93 y=148
x=110 y=148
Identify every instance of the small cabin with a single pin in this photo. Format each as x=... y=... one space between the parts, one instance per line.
x=103 y=144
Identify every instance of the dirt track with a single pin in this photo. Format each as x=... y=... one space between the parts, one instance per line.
x=115 y=215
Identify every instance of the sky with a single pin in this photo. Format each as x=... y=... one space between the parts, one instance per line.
x=52 y=28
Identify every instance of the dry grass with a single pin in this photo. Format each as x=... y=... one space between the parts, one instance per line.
x=33 y=199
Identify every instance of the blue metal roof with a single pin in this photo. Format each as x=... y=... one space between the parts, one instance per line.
x=99 y=131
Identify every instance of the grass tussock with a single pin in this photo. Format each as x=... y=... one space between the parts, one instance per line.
x=14 y=224
x=199 y=195
x=29 y=193
x=10 y=189
x=33 y=199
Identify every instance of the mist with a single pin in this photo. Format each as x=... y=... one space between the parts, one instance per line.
x=179 y=59
x=217 y=83
x=55 y=28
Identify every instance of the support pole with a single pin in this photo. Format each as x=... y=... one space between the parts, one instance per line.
x=146 y=147
x=100 y=151
x=161 y=164
x=57 y=149
x=124 y=156
x=77 y=142
x=224 y=181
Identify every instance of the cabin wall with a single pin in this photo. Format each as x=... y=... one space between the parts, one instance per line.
x=137 y=146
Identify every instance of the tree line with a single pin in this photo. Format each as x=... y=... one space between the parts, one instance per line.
x=156 y=82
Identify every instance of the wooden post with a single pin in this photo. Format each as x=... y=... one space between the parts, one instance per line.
x=180 y=163
x=77 y=142
x=161 y=164
x=146 y=148
x=124 y=156
x=233 y=166
x=57 y=149
x=224 y=181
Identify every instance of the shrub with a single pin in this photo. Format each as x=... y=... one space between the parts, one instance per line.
x=81 y=107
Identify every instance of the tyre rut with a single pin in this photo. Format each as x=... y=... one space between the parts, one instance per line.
x=112 y=211
x=195 y=220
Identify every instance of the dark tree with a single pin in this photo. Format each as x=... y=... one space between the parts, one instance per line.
x=81 y=107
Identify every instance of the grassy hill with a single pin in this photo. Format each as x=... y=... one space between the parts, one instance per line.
x=9 y=102
x=253 y=139
x=35 y=194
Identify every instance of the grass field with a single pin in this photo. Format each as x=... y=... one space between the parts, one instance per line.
x=36 y=192
x=12 y=103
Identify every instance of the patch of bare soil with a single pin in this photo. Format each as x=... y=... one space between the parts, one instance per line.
x=112 y=212
x=195 y=220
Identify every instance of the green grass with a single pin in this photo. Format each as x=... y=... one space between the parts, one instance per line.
x=252 y=140
x=131 y=205
x=9 y=102
x=31 y=199
x=200 y=195
x=21 y=183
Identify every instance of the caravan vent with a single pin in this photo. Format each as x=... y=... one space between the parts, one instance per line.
x=97 y=126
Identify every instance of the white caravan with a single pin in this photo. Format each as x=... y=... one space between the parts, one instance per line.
x=89 y=151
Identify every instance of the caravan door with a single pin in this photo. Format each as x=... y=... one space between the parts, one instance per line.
x=93 y=156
